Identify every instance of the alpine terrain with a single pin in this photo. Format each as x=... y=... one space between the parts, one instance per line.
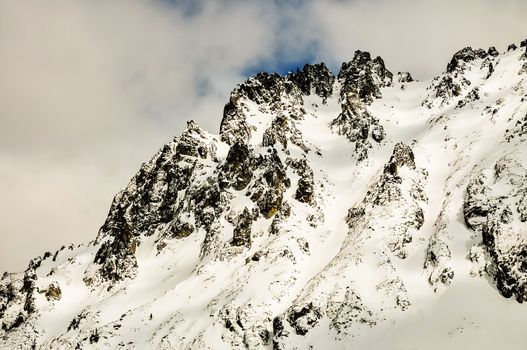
x=364 y=210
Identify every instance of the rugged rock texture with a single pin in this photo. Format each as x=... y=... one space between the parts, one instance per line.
x=495 y=208
x=364 y=77
x=462 y=57
x=314 y=77
x=361 y=82
x=358 y=125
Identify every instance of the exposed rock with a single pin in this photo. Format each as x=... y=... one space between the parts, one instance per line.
x=180 y=229
x=446 y=89
x=404 y=77
x=275 y=94
x=492 y=51
x=490 y=214
x=437 y=259
x=242 y=232
x=237 y=171
x=315 y=77
x=491 y=70
x=463 y=56
x=53 y=292
x=357 y=124
x=472 y=96
x=364 y=77
x=303 y=318
x=264 y=89
x=402 y=156
x=306 y=185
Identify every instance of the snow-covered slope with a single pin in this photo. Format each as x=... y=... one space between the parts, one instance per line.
x=358 y=211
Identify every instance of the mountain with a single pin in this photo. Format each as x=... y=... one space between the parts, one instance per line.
x=359 y=211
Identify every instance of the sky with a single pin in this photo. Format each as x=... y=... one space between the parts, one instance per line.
x=90 y=89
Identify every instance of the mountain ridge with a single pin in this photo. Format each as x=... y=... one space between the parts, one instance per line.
x=328 y=208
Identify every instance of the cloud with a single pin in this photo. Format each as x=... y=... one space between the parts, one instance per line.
x=90 y=89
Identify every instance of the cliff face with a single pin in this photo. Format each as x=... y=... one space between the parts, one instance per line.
x=359 y=210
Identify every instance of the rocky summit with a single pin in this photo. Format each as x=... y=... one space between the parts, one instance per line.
x=362 y=210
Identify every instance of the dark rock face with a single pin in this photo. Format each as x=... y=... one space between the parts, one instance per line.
x=472 y=96
x=491 y=70
x=446 y=88
x=180 y=229
x=264 y=89
x=237 y=171
x=53 y=292
x=268 y=190
x=234 y=126
x=512 y=47
x=242 y=232
x=520 y=127
x=387 y=192
x=314 y=76
x=463 y=56
x=150 y=200
x=437 y=259
x=358 y=125
x=276 y=94
x=523 y=43
x=364 y=77
x=17 y=292
x=277 y=133
x=303 y=318
x=402 y=156
x=492 y=51
x=491 y=214
x=449 y=86
x=404 y=77
x=306 y=186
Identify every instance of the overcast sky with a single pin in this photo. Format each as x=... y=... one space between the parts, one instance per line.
x=91 y=89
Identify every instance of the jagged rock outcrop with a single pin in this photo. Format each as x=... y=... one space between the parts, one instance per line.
x=316 y=77
x=494 y=203
x=150 y=202
x=273 y=93
x=464 y=56
x=361 y=82
x=364 y=77
x=492 y=51
x=358 y=125
x=404 y=77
